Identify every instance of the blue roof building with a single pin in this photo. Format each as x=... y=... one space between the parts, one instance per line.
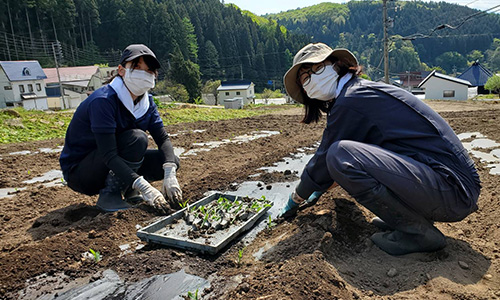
x=477 y=75
x=22 y=84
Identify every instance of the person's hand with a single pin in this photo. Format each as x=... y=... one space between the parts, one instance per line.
x=151 y=196
x=291 y=207
x=171 y=188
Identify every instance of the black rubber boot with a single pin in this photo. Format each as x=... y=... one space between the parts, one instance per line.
x=116 y=195
x=110 y=197
x=411 y=232
x=130 y=195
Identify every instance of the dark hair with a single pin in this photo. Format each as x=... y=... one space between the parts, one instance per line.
x=148 y=60
x=314 y=109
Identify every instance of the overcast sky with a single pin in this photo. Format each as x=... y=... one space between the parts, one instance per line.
x=261 y=7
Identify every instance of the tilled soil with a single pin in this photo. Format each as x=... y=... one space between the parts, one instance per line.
x=324 y=253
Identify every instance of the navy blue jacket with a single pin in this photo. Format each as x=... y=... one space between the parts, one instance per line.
x=101 y=112
x=390 y=117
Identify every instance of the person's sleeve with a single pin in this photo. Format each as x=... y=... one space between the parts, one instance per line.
x=155 y=121
x=161 y=139
x=106 y=146
x=343 y=124
x=102 y=115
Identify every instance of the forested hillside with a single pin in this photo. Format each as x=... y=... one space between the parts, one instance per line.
x=193 y=39
x=357 y=25
x=198 y=40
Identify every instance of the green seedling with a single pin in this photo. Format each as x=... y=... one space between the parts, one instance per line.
x=193 y=296
x=96 y=254
x=269 y=222
x=205 y=218
x=240 y=256
x=183 y=204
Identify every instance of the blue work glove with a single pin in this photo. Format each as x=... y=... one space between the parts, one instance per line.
x=290 y=209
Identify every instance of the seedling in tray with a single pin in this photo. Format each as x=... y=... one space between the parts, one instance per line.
x=207 y=225
x=219 y=214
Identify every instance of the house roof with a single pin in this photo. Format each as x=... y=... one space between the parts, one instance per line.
x=70 y=73
x=415 y=77
x=445 y=77
x=234 y=85
x=23 y=70
x=79 y=83
x=476 y=74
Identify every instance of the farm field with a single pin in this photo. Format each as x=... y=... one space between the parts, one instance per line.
x=324 y=253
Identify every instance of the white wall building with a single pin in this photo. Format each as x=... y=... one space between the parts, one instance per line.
x=22 y=84
x=443 y=87
x=229 y=90
x=77 y=82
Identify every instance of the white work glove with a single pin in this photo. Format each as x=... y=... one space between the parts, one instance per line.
x=151 y=195
x=171 y=188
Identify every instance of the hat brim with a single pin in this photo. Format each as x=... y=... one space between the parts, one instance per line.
x=292 y=87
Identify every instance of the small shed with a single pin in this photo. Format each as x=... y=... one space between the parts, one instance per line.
x=443 y=87
x=22 y=84
x=236 y=89
x=234 y=103
x=477 y=75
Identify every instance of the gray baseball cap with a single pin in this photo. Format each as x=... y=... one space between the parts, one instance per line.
x=313 y=54
x=135 y=50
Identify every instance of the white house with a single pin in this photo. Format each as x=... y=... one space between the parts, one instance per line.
x=22 y=83
x=443 y=87
x=234 y=89
x=77 y=82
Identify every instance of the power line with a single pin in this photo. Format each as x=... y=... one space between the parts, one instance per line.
x=443 y=26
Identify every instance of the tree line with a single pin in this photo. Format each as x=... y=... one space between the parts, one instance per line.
x=194 y=40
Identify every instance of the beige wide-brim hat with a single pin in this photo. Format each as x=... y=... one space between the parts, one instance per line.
x=312 y=54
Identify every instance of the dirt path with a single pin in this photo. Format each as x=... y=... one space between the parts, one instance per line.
x=323 y=254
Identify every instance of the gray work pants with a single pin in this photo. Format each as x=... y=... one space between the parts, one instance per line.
x=359 y=168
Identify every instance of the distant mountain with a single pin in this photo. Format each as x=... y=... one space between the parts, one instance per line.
x=357 y=25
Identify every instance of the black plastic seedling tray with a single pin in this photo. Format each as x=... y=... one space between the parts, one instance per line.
x=173 y=231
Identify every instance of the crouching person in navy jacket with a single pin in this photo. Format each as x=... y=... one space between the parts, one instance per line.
x=386 y=148
x=106 y=145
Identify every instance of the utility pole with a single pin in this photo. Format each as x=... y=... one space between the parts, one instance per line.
x=386 y=41
x=57 y=69
x=409 y=86
x=241 y=71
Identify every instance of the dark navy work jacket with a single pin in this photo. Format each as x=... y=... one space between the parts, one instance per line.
x=101 y=112
x=394 y=119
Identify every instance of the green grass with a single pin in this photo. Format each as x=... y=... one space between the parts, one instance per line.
x=488 y=96
x=188 y=115
x=37 y=126
x=42 y=125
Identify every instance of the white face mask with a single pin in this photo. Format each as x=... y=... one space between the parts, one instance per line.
x=138 y=82
x=323 y=86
